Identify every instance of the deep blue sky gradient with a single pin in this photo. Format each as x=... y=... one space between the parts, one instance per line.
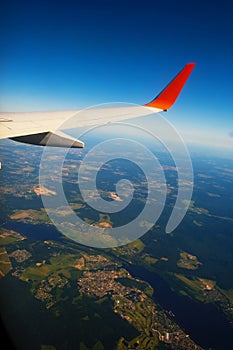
x=72 y=54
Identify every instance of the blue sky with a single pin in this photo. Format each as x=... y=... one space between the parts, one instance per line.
x=73 y=54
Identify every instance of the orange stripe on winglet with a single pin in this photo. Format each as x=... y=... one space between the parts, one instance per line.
x=168 y=96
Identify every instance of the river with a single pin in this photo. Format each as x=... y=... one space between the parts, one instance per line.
x=205 y=324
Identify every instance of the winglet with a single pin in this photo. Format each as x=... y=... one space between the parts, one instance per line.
x=168 y=96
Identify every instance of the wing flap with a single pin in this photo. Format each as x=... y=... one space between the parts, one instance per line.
x=58 y=139
x=22 y=124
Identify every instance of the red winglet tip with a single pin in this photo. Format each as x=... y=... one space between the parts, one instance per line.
x=168 y=96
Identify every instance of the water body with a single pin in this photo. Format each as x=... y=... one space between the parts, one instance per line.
x=35 y=232
x=205 y=324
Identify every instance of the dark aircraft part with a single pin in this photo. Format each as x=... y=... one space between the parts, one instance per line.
x=58 y=139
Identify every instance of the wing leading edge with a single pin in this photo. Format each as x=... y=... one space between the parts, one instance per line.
x=37 y=127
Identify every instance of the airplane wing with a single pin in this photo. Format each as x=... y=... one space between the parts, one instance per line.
x=37 y=127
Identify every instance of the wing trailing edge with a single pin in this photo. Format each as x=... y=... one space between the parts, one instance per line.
x=58 y=139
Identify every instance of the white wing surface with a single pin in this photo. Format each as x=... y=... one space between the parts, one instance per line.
x=36 y=127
